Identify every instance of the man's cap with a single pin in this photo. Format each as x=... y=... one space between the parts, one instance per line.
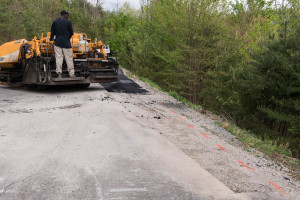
x=64 y=12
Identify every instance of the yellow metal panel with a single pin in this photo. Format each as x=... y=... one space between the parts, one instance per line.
x=10 y=53
x=10 y=47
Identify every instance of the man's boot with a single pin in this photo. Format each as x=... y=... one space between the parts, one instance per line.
x=59 y=76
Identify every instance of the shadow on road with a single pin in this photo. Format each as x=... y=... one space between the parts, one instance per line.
x=52 y=89
x=125 y=85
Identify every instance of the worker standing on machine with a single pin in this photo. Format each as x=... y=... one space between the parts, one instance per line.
x=62 y=29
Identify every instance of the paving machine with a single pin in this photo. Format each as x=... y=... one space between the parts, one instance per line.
x=25 y=62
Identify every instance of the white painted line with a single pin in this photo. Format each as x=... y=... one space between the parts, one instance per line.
x=99 y=189
x=99 y=192
x=129 y=190
x=6 y=191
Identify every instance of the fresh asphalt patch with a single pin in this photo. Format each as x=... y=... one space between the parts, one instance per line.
x=124 y=85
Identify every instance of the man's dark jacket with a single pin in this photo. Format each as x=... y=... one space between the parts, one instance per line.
x=63 y=30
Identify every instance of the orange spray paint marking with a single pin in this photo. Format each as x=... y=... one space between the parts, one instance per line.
x=173 y=112
x=221 y=147
x=180 y=118
x=277 y=187
x=204 y=135
x=190 y=125
x=245 y=165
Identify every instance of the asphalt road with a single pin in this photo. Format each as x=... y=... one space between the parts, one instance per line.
x=96 y=143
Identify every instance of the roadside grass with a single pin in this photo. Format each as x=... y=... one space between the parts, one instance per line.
x=267 y=146
x=172 y=93
x=279 y=153
x=151 y=83
x=184 y=100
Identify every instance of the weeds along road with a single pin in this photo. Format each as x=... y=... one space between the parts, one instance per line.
x=124 y=141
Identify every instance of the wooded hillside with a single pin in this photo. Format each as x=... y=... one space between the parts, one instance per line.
x=29 y=18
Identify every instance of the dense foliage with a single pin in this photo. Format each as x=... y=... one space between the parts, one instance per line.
x=238 y=59
x=29 y=18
